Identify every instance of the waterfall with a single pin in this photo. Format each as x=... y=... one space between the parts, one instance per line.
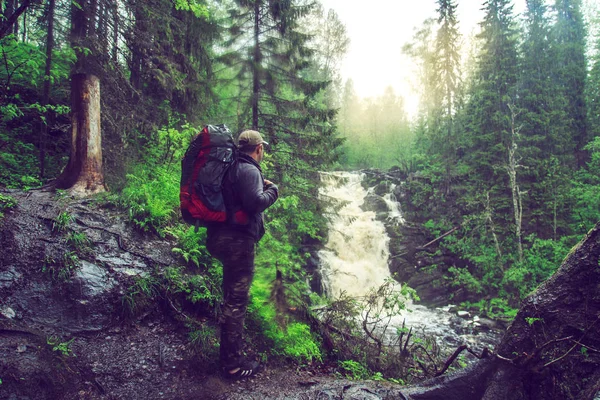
x=355 y=259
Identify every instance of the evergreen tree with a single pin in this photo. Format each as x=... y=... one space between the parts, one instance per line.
x=447 y=74
x=494 y=89
x=547 y=148
x=570 y=71
x=276 y=95
x=330 y=43
x=422 y=50
x=490 y=136
x=593 y=88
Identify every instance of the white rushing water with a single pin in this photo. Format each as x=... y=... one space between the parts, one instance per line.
x=355 y=258
x=356 y=255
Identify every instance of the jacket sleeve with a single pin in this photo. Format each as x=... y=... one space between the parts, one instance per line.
x=255 y=196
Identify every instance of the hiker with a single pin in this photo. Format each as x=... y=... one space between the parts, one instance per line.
x=232 y=243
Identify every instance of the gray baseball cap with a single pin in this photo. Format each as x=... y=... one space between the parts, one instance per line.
x=250 y=137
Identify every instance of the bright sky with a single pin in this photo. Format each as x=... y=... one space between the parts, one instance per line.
x=379 y=28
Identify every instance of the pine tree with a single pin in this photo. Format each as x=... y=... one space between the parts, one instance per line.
x=447 y=74
x=84 y=173
x=570 y=72
x=547 y=148
x=593 y=89
x=271 y=60
x=330 y=43
x=494 y=90
x=422 y=50
x=489 y=124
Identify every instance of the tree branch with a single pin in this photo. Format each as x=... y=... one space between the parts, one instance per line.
x=10 y=21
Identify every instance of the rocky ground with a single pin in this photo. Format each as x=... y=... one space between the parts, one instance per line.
x=147 y=359
x=66 y=331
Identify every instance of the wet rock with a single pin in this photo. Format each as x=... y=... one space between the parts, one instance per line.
x=8 y=312
x=375 y=203
x=382 y=188
x=62 y=288
x=92 y=280
x=9 y=277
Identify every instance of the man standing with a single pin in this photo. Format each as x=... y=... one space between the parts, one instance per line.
x=247 y=194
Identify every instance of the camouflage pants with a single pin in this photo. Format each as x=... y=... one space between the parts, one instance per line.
x=235 y=250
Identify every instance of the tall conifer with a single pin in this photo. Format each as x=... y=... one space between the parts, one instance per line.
x=546 y=144
x=447 y=72
x=271 y=58
x=494 y=89
x=570 y=70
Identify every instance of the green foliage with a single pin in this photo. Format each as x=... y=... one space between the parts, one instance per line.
x=354 y=370
x=18 y=163
x=62 y=269
x=462 y=277
x=541 y=259
x=495 y=308
x=140 y=294
x=196 y=288
x=205 y=340
x=290 y=339
x=199 y=10
x=61 y=222
x=63 y=348
x=79 y=241
x=151 y=196
x=25 y=62
x=6 y=203
x=531 y=320
x=294 y=341
x=585 y=193
x=21 y=78
x=191 y=244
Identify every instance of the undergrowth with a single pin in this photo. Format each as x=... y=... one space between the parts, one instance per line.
x=6 y=203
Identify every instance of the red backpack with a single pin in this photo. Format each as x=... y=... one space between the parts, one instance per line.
x=203 y=170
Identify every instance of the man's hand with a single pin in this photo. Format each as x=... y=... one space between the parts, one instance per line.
x=268 y=182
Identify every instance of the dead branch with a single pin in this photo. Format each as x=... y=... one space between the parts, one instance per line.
x=450 y=360
x=484 y=354
x=421 y=248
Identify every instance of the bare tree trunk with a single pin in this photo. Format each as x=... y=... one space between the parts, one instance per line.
x=11 y=14
x=83 y=174
x=46 y=90
x=102 y=31
x=511 y=168
x=115 y=44
x=137 y=61
x=488 y=216
x=256 y=65
x=24 y=34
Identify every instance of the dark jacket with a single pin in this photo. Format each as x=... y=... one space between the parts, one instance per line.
x=246 y=197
